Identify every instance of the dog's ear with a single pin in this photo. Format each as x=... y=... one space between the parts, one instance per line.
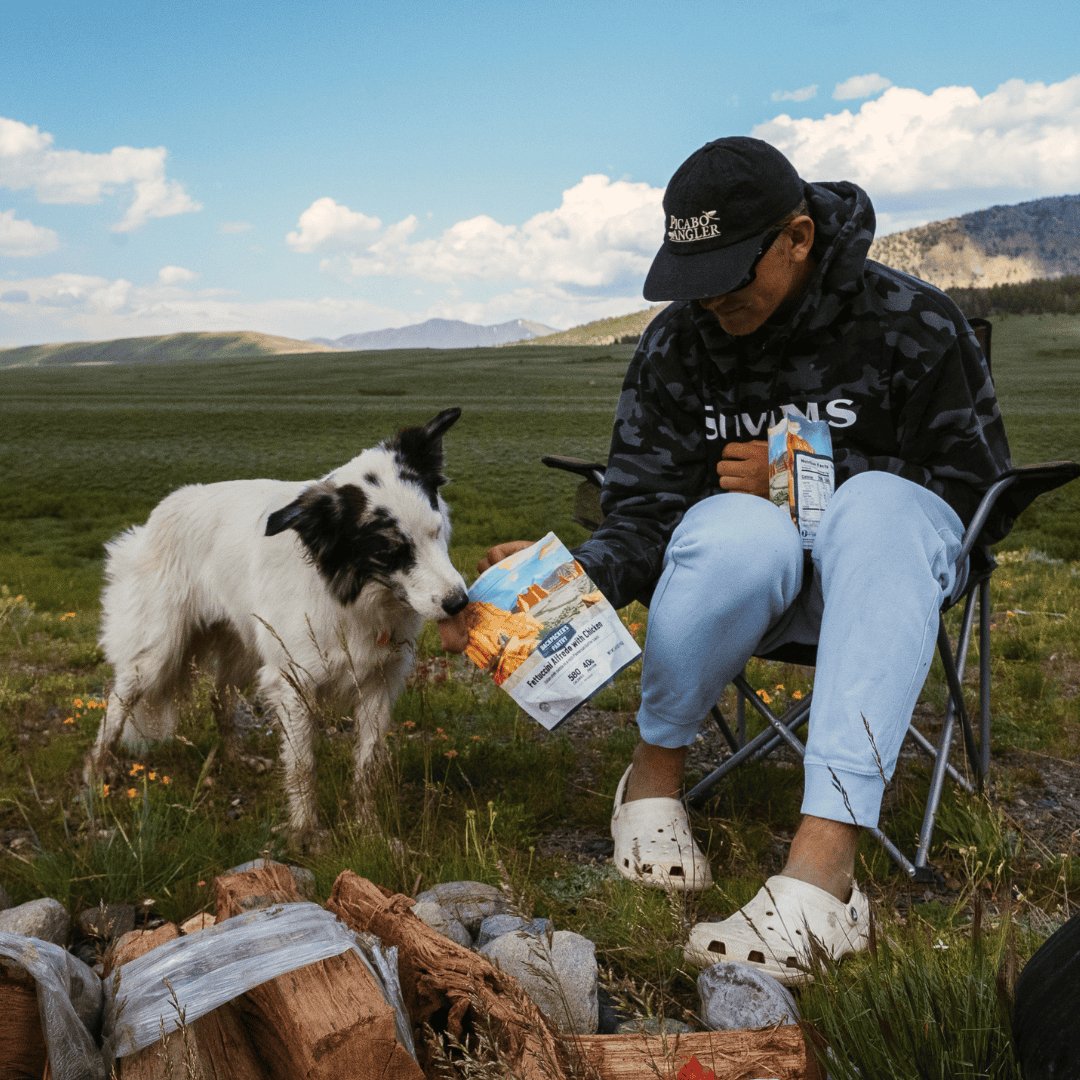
x=320 y=512
x=285 y=518
x=329 y=522
x=420 y=455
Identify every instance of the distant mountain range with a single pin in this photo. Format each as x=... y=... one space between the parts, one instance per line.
x=162 y=349
x=439 y=334
x=169 y=348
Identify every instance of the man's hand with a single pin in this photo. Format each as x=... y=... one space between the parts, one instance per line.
x=502 y=551
x=453 y=632
x=744 y=466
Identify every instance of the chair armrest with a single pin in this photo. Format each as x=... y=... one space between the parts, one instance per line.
x=589 y=470
x=1016 y=490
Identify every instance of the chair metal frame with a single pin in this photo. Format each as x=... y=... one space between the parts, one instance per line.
x=1012 y=492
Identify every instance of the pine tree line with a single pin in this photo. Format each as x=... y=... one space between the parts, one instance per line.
x=1059 y=296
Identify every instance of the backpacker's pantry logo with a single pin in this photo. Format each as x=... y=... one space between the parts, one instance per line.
x=702 y=227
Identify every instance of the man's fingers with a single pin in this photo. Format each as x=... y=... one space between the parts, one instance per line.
x=745 y=467
x=501 y=551
x=745 y=451
x=737 y=468
x=453 y=633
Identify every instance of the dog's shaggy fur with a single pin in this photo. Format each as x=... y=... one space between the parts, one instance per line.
x=313 y=591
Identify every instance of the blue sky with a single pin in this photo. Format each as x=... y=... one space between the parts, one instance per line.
x=324 y=168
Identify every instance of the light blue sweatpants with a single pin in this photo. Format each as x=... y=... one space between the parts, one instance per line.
x=733 y=585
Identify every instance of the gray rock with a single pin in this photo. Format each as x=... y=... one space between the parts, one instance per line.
x=98 y=927
x=441 y=921
x=652 y=1026
x=470 y=902
x=559 y=974
x=46 y=919
x=106 y=921
x=496 y=925
x=737 y=997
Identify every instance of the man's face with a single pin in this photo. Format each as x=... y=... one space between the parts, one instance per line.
x=780 y=274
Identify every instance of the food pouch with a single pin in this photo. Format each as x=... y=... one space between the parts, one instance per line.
x=544 y=632
x=801 y=475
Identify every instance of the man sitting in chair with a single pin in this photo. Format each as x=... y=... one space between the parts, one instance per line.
x=775 y=304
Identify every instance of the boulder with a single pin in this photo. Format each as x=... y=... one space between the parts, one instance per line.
x=496 y=925
x=440 y=920
x=470 y=902
x=559 y=974
x=46 y=919
x=738 y=997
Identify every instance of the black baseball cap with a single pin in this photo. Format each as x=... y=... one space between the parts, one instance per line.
x=718 y=208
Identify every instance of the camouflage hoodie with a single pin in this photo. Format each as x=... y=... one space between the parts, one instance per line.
x=886 y=359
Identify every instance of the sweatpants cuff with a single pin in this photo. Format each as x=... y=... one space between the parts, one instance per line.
x=853 y=798
x=657 y=731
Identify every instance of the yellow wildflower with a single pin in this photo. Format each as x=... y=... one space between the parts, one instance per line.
x=136 y=769
x=132 y=792
x=796 y=695
x=765 y=697
x=166 y=780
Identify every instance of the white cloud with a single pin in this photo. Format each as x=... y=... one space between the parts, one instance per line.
x=22 y=239
x=328 y=223
x=602 y=236
x=860 y=86
x=29 y=161
x=804 y=93
x=928 y=156
x=176 y=275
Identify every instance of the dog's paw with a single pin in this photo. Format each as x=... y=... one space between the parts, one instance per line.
x=98 y=769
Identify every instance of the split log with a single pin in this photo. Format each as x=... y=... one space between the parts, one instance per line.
x=451 y=988
x=321 y=1022
x=779 y=1052
x=136 y=943
x=265 y=885
x=197 y=922
x=22 y=1042
x=214 y=1047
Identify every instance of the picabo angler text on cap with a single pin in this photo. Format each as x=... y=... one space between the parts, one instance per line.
x=702 y=227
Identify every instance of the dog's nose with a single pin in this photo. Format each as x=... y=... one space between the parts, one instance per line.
x=455 y=601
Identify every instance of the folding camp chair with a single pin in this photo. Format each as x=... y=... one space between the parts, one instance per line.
x=1010 y=494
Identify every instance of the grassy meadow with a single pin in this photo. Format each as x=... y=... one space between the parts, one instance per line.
x=474 y=788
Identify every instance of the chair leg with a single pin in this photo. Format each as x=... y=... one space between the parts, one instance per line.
x=954 y=673
x=725 y=730
x=984 y=681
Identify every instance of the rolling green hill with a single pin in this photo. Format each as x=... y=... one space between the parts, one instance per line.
x=164 y=349
x=619 y=330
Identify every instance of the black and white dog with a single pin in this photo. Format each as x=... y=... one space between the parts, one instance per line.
x=313 y=591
